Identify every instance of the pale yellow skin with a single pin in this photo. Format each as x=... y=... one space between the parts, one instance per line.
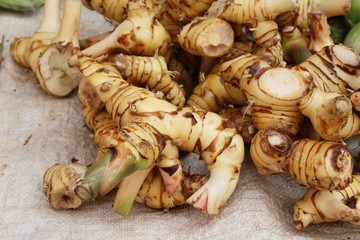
x=324 y=165
x=266 y=35
x=154 y=195
x=273 y=91
x=194 y=131
x=331 y=114
x=52 y=38
x=153 y=73
x=317 y=164
x=260 y=16
x=319 y=206
x=221 y=86
x=26 y=50
x=269 y=149
x=241 y=11
x=180 y=74
x=329 y=7
x=47 y=30
x=319 y=32
x=139 y=34
x=339 y=58
x=174 y=14
x=274 y=55
x=188 y=9
x=111 y=9
x=168 y=163
x=299 y=17
x=169 y=184
x=58 y=182
x=100 y=121
x=242 y=119
x=17 y=50
x=207 y=37
x=55 y=77
x=275 y=94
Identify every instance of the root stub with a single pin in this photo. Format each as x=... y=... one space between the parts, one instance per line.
x=207 y=37
x=59 y=183
x=54 y=76
x=216 y=40
x=64 y=200
x=332 y=164
x=83 y=193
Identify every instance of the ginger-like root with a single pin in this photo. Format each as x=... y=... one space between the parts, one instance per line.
x=221 y=86
x=46 y=51
x=215 y=139
x=18 y=49
x=58 y=184
x=243 y=121
x=266 y=35
x=111 y=9
x=299 y=17
x=128 y=190
x=275 y=94
x=48 y=29
x=89 y=41
x=55 y=76
x=174 y=14
x=318 y=164
x=319 y=32
x=330 y=8
x=107 y=135
x=207 y=37
x=26 y=50
x=273 y=55
x=101 y=123
x=180 y=74
x=139 y=34
x=169 y=167
x=53 y=73
x=152 y=193
x=333 y=69
x=318 y=206
x=323 y=165
x=269 y=149
x=89 y=98
x=331 y=114
x=262 y=13
x=133 y=147
x=241 y=11
x=153 y=73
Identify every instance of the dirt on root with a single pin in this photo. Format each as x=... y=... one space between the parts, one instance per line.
x=2 y=168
